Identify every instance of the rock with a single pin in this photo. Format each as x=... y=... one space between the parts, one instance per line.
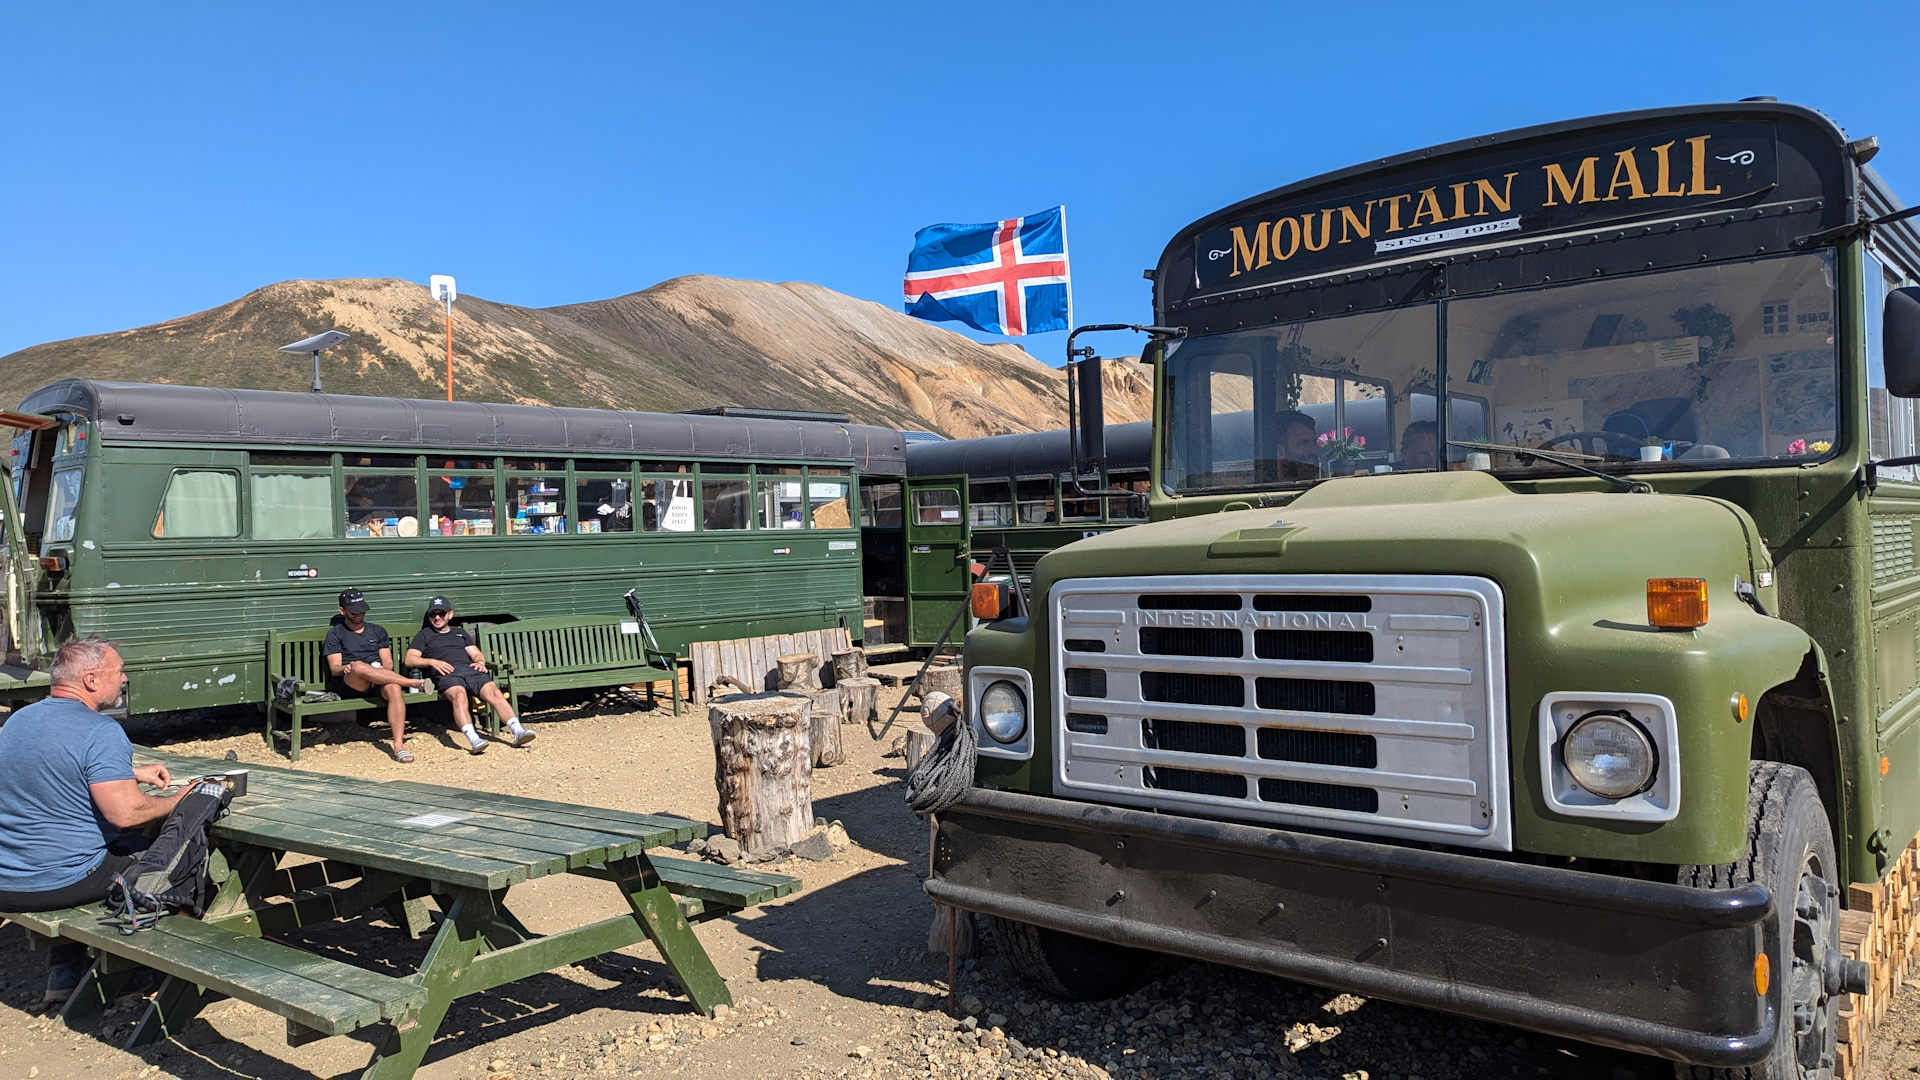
x=815 y=847
x=799 y=1040
x=837 y=836
x=862 y=1052
x=819 y=823
x=233 y=756
x=696 y=847
x=971 y=1004
x=708 y=1031
x=971 y=1023
x=995 y=1020
x=497 y=1065
x=722 y=1012
x=725 y=848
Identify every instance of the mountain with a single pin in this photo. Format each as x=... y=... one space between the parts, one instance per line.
x=686 y=343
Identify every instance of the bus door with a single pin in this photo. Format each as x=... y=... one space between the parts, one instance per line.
x=939 y=551
x=17 y=565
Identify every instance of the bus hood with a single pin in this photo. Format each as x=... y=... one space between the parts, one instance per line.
x=1586 y=553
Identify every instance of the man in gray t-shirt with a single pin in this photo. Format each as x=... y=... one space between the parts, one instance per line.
x=69 y=791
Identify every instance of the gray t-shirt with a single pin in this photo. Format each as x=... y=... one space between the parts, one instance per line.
x=51 y=834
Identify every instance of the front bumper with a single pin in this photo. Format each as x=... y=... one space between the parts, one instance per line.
x=1644 y=966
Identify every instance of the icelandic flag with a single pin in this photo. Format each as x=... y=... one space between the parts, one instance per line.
x=1003 y=277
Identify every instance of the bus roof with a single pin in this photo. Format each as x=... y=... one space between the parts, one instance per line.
x=1033 y=453
x=154 y=412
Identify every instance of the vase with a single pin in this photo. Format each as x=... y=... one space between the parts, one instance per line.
x=1650 y=453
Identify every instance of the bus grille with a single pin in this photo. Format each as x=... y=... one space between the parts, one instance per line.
x=1365 y=704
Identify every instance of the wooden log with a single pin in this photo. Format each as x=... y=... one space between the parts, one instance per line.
x=823 y=720
x=955 y=926
x=849 y=664
x=938 y=712
x=799 y=671
x=862 y=701
x=919 y=744
x=763 y=768
x=941 y=679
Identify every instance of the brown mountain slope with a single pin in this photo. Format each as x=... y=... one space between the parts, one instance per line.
x=686 y=343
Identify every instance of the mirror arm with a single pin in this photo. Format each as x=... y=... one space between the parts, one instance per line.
x=1073 y=403
x=1870 y=472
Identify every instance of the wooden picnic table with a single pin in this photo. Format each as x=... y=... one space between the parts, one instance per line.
x=392 y=845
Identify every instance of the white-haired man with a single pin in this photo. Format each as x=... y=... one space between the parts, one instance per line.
x=70 y=797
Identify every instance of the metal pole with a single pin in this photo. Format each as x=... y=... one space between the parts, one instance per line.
x=316 y=371
x=449 y=349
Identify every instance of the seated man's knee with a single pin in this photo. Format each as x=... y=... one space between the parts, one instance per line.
x=390 y=691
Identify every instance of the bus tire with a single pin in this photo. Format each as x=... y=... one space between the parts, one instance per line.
x=1072 y=967
x=1790 y=851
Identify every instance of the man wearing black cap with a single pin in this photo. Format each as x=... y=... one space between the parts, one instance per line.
x=360 y=654
x=460 y=673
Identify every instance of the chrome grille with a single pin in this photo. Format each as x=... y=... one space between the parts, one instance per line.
x=1370 y=704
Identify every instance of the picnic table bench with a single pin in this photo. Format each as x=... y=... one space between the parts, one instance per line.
x=297 y=654
x=570 y=652
x=372 y=845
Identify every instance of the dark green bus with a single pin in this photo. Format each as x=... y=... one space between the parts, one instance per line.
x=967 y=497
x=186 y=522
x=1575 y=696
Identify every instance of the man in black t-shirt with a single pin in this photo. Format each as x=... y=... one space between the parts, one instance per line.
x=360 y=656
x=460 y=674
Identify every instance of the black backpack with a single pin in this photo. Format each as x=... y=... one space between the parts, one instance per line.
x=171 y=874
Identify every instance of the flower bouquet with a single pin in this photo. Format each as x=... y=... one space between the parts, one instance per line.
x=1346 y=446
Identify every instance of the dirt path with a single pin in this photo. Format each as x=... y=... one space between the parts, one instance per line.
x=834 y=981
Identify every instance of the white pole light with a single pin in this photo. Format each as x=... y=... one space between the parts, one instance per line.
x=325 y=340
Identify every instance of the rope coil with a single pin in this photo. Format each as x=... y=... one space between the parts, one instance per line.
x=946 y=773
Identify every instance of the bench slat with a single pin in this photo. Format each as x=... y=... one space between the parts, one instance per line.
x=453 y=869
x=326 y=995
x=721 y=885
x=538 y=832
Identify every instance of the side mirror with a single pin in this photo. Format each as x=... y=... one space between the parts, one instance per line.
x=1091 y=420
x=1900 y=342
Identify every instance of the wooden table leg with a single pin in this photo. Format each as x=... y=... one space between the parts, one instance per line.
x=660 y=914
x=170 y=1011
x=458 y=941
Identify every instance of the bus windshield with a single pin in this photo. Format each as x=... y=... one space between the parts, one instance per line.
x=1703 y=367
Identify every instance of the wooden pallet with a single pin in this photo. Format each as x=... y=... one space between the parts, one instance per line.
x=1878 y=929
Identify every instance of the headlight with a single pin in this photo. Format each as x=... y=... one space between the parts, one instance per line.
x=1609 y=754
x=1003 y=711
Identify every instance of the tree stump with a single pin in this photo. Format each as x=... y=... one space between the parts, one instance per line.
x=942 y=679
x=799 y=671
x=763 y=768
x=919 y=743
x=862 y=702
x=849 y=664
x=823 y=720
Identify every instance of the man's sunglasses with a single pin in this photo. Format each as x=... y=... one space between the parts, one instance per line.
x=439 y=614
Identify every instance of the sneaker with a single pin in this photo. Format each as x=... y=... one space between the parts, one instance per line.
x=475 y=744
x=519 y=736
x=62 y=976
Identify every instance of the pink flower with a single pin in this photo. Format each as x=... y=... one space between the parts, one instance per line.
x=1326 y=437
x=1359 y=440
x=1348 y=433
x=1797 y=447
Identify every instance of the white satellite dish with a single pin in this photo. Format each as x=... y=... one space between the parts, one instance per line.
x=440 y=286
x=326 y=339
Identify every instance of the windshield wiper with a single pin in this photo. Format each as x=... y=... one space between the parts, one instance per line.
x=1555 y=458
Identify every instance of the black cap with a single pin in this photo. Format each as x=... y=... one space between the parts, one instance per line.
x=354 y=601
x=438 y=603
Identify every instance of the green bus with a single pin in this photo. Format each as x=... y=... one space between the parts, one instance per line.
x=966 y=497
x=1574 y=696
x=187 y=522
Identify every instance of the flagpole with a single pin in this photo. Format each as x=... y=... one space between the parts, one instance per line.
x=1066 y=257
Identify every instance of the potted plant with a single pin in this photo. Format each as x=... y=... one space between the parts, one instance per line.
x=1651 y=448
x=1343 y=450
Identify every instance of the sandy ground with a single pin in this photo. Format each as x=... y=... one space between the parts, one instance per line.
x=834 y=980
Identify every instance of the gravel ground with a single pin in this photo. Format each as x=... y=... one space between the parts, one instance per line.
x=834 y=981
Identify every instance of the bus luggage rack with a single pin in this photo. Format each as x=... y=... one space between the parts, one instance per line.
x=1368 y=703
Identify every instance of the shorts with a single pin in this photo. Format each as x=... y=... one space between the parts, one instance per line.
x=465 y=677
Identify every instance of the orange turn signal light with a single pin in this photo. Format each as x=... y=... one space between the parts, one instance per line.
x=1762 y=973
x=988 y=600
x=1677 y=603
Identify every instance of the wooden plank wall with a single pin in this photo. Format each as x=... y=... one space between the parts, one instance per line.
x=752 y=660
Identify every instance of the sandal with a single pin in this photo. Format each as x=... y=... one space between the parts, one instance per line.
x=403 y=756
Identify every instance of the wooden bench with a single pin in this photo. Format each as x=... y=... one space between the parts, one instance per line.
x=318 y=996
x=708 y=891
x=297 y=654
x=576 y=652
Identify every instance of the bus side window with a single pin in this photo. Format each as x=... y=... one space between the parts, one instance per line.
x=990 y=503
x=64 y=504
x=199 y=503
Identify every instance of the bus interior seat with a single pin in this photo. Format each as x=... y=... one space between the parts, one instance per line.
x=1703 y=450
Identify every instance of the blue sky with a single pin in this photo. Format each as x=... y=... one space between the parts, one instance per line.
x=158 y=160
